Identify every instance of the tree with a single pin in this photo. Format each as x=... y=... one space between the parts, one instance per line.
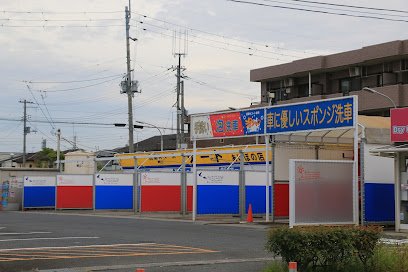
x=47 y=157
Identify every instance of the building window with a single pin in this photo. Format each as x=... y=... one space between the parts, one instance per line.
x=303 y=90
x=379 y=80
x=221 y=141
x=348 y=85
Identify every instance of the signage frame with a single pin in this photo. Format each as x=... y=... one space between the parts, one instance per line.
x=354 y=124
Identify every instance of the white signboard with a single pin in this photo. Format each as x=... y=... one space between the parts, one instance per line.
x=217 y=178
x=160 y=179
x=201 y=127
x=75 y=180
x=321 y=192
x=33 y=181
x=16 y=183
x=114 y=179
x=254 y=178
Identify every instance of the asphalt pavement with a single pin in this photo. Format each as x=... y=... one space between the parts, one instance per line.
x=81 y=241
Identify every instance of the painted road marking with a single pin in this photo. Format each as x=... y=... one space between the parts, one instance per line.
x=49 y=238
x=97 y=251
x=23 y=233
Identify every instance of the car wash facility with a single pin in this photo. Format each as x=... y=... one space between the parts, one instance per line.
x=320 y=116
x=312 y=137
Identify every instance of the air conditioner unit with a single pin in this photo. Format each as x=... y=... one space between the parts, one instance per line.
x=355 y=71
x=288 y=90
x=289 y=81
x=271 y=95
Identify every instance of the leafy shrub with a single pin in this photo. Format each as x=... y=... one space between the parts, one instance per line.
x=324 y=248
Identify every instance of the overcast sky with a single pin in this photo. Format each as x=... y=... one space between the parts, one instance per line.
x=68 y=58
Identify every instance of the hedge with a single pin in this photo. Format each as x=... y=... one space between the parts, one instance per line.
x=324 y=248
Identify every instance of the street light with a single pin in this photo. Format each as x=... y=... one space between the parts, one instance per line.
x=377 y=92
x=161 y=135
x=139 y=126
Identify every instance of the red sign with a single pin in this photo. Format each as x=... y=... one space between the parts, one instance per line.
x=227 y=124
x=399 y=125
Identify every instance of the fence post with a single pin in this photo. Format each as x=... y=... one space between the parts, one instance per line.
x=273 y=178
x=93 y=185
x=135 y=186
x=183 y=186
x=241 y=186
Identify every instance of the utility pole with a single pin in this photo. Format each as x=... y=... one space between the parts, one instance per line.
x=129 y=82
x=178 y=140
x=26 y=129
x=182 y=113
x=180 y=92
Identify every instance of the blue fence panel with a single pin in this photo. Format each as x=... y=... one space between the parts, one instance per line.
x=255 y=195
x=379 y=202
x=217 y=199
x=113 y=197
x=37 y=197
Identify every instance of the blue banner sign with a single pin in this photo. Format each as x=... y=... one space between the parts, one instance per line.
x=253 y=121
x=326 y=114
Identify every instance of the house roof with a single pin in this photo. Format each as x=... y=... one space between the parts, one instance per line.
x=152 y=144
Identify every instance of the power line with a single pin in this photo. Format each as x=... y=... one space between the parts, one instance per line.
x=40 y=107
x=226 y=43
x=217 y=47
x=317 y=11
x=229 y=38
x=216 y=88
x=59 y=12
x=347 y=10
x=73 y=81
x=348 y=6
x=82 y=87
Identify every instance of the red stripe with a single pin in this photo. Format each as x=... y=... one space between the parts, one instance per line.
x=74 y=197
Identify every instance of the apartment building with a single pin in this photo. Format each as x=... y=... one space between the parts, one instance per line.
x=382 y=67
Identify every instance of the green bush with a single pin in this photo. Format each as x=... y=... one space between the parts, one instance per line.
x=324 y=248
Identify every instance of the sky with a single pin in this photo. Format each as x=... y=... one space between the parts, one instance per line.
x=68 y=58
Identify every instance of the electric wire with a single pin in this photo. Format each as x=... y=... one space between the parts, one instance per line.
x=349 y=6
x=229 y=38
x=317 y=11
x=346 y=10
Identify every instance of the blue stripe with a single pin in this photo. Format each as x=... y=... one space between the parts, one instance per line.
x=379 y=201
x=217 y=199
x=255 y=195
x=113 y=197
x=43 y=196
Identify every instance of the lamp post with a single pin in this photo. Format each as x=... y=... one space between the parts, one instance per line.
x=138 y=126
x=161 y=135
x=377 y=92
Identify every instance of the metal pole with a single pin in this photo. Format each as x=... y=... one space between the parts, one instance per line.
x=195 y=180
x=182 y=113
x=355 y=168
x=273 y=178
x=129 y=82
x=267 y=174
x=397 y=190
x=241 y=187
x=178 y=103
x=362 y=174
x=135 y=187
x=93 y=185
x=25 y=133
x=58 y=148
x=183 y=186
x=310 y=84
